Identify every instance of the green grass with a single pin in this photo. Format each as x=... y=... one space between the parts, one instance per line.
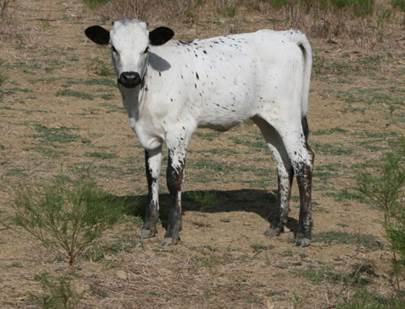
x=76 y=94
x=203 y=199
x=252 y=141
x=209 y=165
x=330 y=170
x=400 y=4
x=49 y=152
x=3 y=77
x=336 y=149
x=364 y=299
x=100 y=68
x=345 y=195
x=360 y=275
x=95 y=3
x=372 y=96
x=16 y=172
x=101 y=155
x=336 y=237
x=258 y=248
x=330 y=131
x=227 y=11
x=59 y=135
x=207 y=135
x=92 y=82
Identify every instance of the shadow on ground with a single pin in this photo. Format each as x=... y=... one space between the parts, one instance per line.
x=260 y=202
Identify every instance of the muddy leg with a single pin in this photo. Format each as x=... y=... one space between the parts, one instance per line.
x=174 y=174
x=304 y=179
x=152 y=165
x=278 y=220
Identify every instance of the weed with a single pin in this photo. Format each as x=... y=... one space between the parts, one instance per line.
x=60 y=135
x=336 y=237
x=59 y=292
x=385 y=190
x=66 y=217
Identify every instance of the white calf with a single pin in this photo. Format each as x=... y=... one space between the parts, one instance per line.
x=170 y=88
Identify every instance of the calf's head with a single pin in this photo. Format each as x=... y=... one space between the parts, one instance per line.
x=129 y=41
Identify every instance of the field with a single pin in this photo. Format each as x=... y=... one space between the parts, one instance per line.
x=61 y=115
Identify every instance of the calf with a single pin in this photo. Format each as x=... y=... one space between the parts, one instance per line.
x=169 y=88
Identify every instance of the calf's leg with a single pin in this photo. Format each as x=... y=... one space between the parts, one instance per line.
x=177 y=142
x=278 y=218
x=302 y=158
x=153 y=160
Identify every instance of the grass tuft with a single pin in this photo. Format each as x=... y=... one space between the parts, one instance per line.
x=60 y=135
x=336 y=237
x=66 y=217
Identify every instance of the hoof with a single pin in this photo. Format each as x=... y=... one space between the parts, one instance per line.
x=146 y=233
x=169 y=241
x=272 y=232
x=303 y=242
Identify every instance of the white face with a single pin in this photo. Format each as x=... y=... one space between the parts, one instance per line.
x=130 y=43
x=130 y=40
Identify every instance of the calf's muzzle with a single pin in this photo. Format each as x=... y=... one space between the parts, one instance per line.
x=129 y=79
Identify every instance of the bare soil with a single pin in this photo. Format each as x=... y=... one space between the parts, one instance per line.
x=57 y=80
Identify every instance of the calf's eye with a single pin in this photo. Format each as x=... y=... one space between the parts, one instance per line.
x=113 y=49
x=146 y=50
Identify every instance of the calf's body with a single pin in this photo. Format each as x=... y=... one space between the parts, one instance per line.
x=219 y=83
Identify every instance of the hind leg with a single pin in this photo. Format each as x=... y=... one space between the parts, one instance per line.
x=301 y=157
x=304 y=180
x=278 y=218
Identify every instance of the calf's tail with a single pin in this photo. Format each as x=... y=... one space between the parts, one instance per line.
x=302 y=42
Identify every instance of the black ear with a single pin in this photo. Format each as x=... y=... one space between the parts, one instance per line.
x=160 y=35
x=98 y=35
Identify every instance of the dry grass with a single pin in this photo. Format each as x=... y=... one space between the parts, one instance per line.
x=6 y=25
x=363 y=21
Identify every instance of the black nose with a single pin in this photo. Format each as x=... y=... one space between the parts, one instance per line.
x=129 y=79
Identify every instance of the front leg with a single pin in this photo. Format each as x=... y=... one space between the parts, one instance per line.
x=153 y=160
x=177 y=142
x=174 y=176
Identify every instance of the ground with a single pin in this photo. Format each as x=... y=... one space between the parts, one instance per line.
x=61 y=115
